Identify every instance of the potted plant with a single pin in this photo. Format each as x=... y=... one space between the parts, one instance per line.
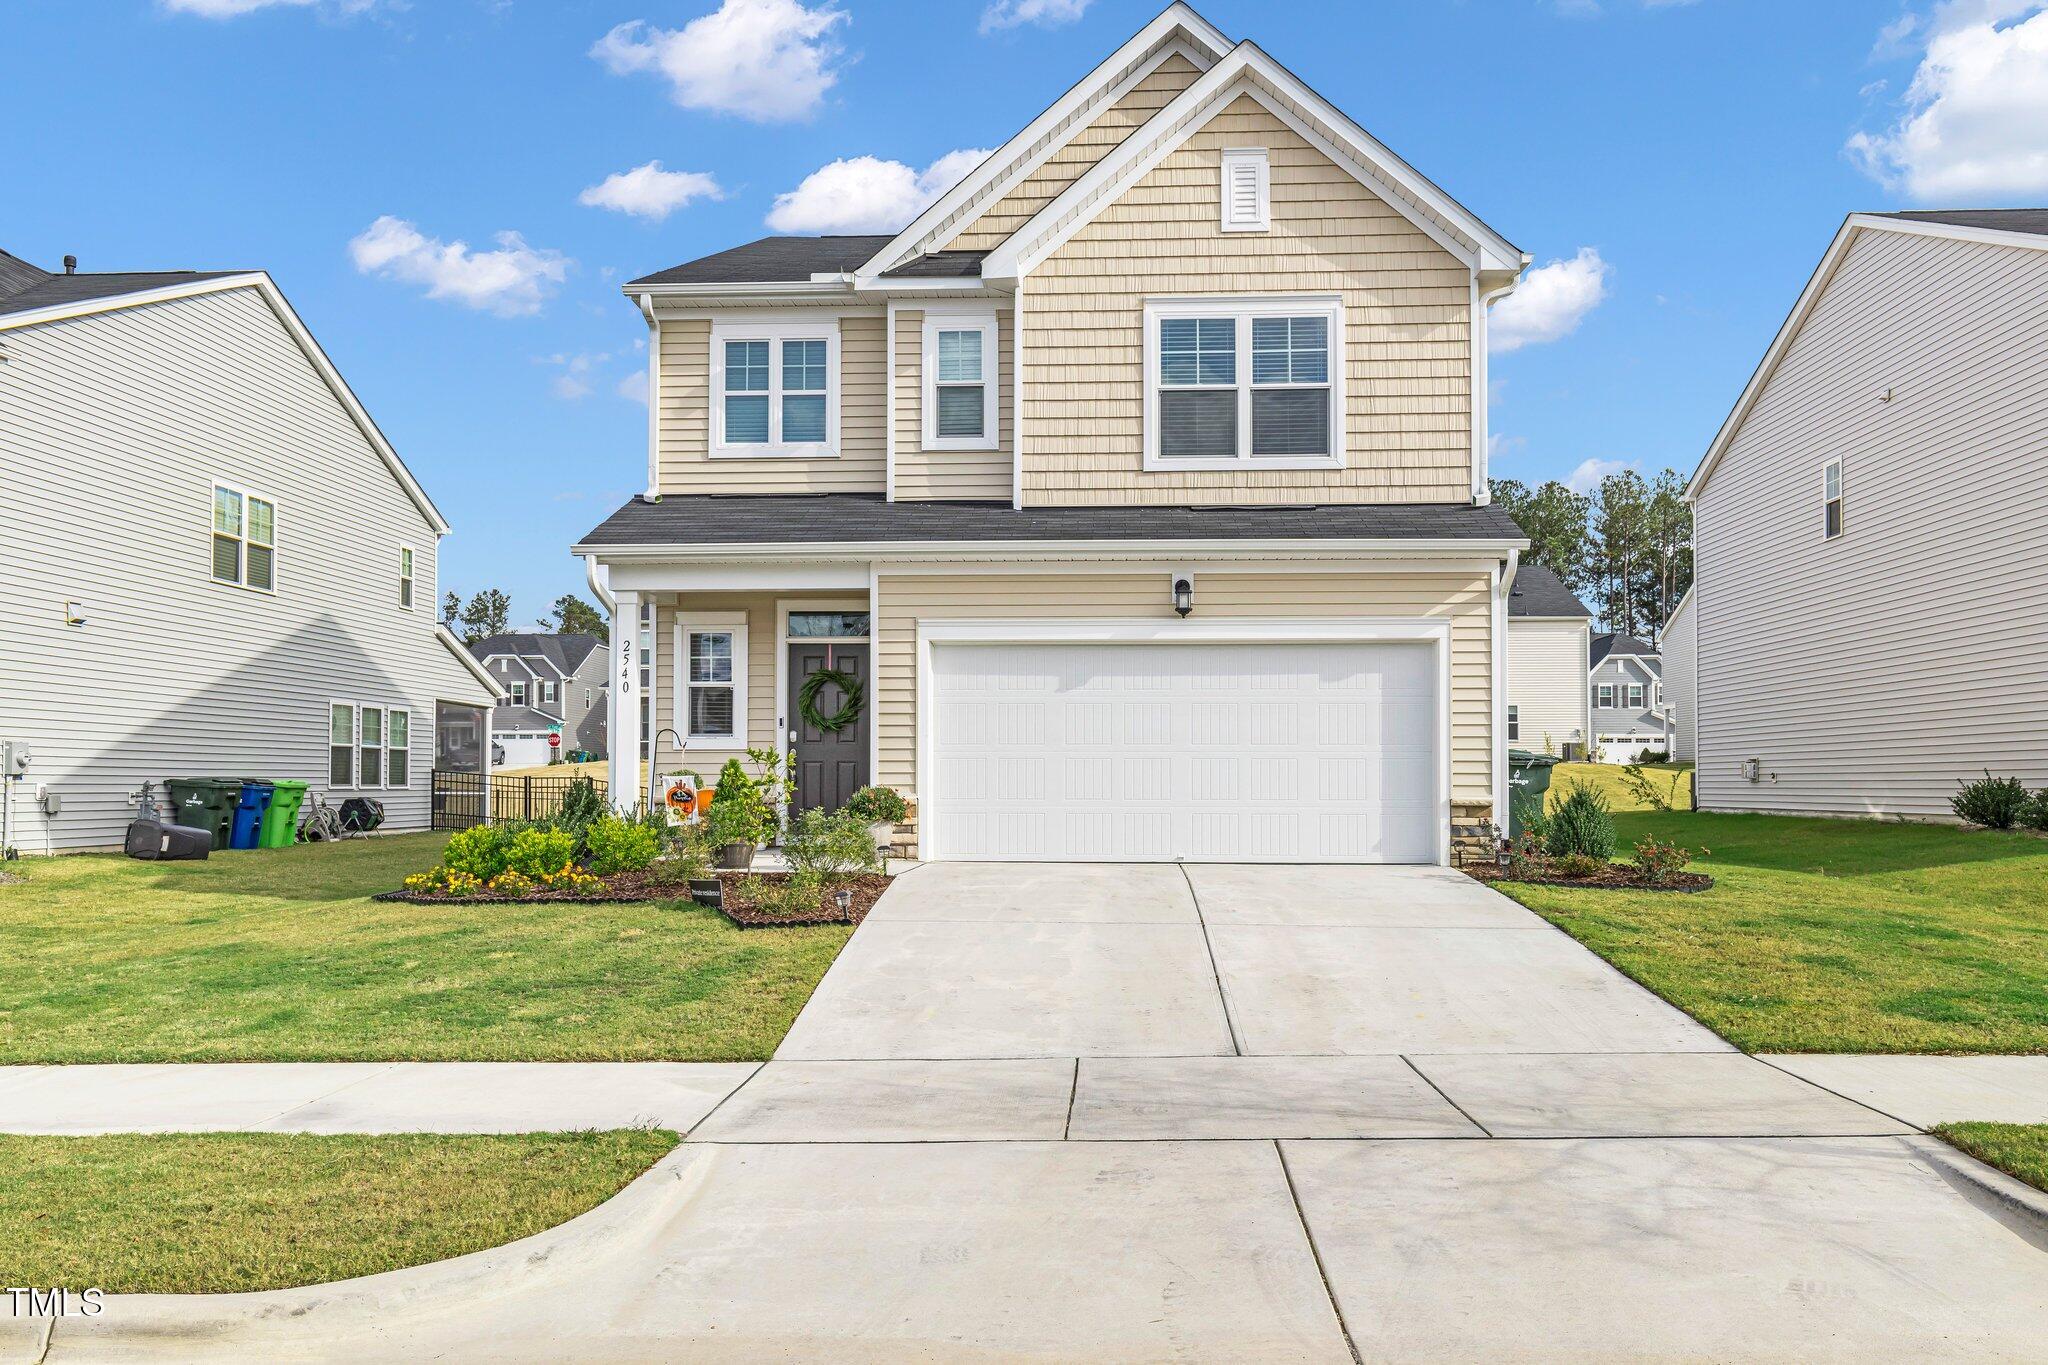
x=738 y=818
x=883 y=808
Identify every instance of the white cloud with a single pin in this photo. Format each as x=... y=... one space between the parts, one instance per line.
x=513 y=280
x=1550 y=303
x=1045 y=13
x=633 y=387
x=649 y=191
x=574 y=381
x=1975 y=120
x=1586 y=478
x=1498 y=445
x=867 y=194
x=769 y=60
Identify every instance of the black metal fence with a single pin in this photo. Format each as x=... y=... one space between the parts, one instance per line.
x=459 y=797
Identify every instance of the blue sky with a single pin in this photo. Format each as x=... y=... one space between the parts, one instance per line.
x=1689 y=160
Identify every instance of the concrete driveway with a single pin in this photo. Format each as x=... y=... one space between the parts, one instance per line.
x=1273 y=1114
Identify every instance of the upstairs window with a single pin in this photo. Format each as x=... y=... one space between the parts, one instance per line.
x=518 y=693
x=547 y=691
x=1249 y=382
x=1514 y=723
x=1831 y=500
x=1247 y=190
x=777 y=389
x=1605 y=696
x=244 y=539
x=959 y=380
x=405 y=577
x=1635 y=696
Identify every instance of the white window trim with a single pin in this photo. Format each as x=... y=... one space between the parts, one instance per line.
x=774 y=332
x=968 y=319
x=1635 y=696
x=1603 y=696
x=1255 y=157
x=242 y=569
x=547 y=691
x=1243 y=308
x=1841 y=496
x=390 y=748
x=355 y=733
x=735 y=623
x=516 y=689
x=408 y=583
x=383 y=742
x=1514 y=723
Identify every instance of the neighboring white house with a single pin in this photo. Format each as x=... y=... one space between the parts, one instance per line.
x=212 y=564
x=1680 y=645
x=1549 y=642
x=1131 y=500
x=1871 y=530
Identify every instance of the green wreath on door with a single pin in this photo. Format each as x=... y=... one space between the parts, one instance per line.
x=850 y=695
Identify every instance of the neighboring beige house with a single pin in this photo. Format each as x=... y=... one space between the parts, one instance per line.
x=1549 y=639
x=213 y=564
x=1680 y=643
x=1870 y=606
x=1139 y=483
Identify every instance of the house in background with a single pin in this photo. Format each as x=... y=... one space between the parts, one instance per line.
x=1549 y=642
x=1679 y=642
x=553 y=684
x=214 y=564
x=1130 y=503
x=1626 y=687
x=1870 y=603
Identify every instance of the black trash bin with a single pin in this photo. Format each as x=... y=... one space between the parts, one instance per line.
x=206 y=803
x=1528 y=782
x=157 y=841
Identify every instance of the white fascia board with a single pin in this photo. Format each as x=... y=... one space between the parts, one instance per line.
x=1016 y=159
x=940 y=552
x=471 y=662
x=1249 y=71
x=261 y=282
x=1824 y=274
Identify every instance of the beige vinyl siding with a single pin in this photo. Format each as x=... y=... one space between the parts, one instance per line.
x=1680 y=648
x=974 y=475
x=906 y=597
x=1869 y=673
x=114 y=427
x=1071 y=162
x=685 y=464
x=761 y=648
x=1547 y=682
x=1407 y=343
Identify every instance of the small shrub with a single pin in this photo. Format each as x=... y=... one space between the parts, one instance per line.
x=829 y=848
x=1578 y=866
x=2034 y=815
x=581 y=806
x=1646 y=792
x=1581 y=824
x=738 y=815
x=1658 y=862
x=540 y=852
x=878 y=805
x=791 y=896
x=1993 y=802
x=1528 y=859
x=1529 y=816
x=613 y=845
x=480 y=851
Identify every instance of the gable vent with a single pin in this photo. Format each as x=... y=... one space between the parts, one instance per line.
x=1247 y=189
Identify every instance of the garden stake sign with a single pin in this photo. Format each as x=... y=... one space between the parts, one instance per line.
x=849 y=697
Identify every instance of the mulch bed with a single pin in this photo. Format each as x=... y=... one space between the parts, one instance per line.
x=624 y=888
x=1613 y=877
x=867 y=888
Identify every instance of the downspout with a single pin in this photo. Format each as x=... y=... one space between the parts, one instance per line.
x=646 y=302
x=599 y=577
x=1509 y=568
x=1481 y=494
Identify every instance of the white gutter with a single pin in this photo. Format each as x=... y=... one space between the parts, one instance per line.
x=600 y=580
x=1509 y=568
x=1072 y=548
x=1482 y=417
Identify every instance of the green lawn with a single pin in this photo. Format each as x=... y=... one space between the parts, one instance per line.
x=215 y=1213
x=1834 y=935
x=1672 y=780
x=2018 y=1149
x=280 y=956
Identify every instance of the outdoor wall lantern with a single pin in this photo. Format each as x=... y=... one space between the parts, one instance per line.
x=1183 y=594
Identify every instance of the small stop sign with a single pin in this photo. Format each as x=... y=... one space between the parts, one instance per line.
x=554 y=741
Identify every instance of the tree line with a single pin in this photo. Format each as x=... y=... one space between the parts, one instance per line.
x=489 y=613
x=1625 y=548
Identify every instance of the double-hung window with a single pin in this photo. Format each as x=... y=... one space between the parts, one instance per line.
x=776 y=386
x=341 y=745
x=244 y=539
x=1635 y=696
x=1514 y=722
x=370 y=747
x=397 y=748
x=547 y=691
x=1606 y=696
x=405 y=577
x=1244 y=382
x=711 y=673
x=1831 y=500
x=960 y=380
x=518 y=692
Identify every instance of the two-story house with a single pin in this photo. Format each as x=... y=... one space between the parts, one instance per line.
x=1625 y=682
x=1131 y=501
x=1868 y=623
x=1549 y=641
x=213 y=563
x=554 y=685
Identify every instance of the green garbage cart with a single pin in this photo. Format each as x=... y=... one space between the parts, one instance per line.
x=280 y=827
x=206 y=803
x=1528 y=785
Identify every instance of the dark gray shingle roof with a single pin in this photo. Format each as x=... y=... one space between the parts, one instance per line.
x=61 y=289
x=1999 y=220
x=17 y=274
x=1539 y=592
x=567 y=652
x=516 y=718
x=773 y=260
x=1606 y=644
x=941 y=265
x=825 y=517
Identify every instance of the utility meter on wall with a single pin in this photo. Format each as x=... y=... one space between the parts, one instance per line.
x=14 y=758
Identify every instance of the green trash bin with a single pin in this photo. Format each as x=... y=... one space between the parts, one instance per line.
x=281 y=822
x=206 y=803
x=1528 y=780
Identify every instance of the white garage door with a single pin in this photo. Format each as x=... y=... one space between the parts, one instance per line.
x=1282 y=752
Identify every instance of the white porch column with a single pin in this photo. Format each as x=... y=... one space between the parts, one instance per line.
x=623 y=727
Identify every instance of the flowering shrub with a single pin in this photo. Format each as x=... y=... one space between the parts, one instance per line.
x=1528 y=858
x=444 y=881
x=569 y=878
x=509 y=883
x=538 y=852
x=1657 y=862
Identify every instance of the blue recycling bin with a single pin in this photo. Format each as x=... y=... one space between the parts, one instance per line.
x=255 y=799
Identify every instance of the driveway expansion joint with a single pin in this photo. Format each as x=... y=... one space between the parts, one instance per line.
x=1222 y=992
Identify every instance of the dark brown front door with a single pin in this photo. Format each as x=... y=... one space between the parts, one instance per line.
x=831 y=765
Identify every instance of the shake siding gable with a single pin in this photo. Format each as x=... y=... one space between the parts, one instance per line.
x=1071 y=161
x=1407 y=344
x=1913 y=650
x=114 y=427
x=971 y=475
